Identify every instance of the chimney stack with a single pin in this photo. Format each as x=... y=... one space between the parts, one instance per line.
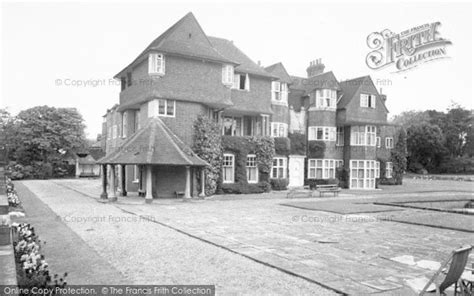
x=316 y=67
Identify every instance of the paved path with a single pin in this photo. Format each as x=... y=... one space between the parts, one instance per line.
x=149 y=252
x=351 y=253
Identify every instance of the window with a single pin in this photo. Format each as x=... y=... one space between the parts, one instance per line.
x=114 y=132
x=241 y=81
x=389 y=143
x=166 y=107
x=137 y=120
x=228 y=74
x=339 y=163
x=322 y=133
x=251 y=167
x=362 y=174
x=322 y=168
x=279 y=92
x=278 y=168
x=363 y=135
x=279 y=129
x=124 y=124
x=377 y=140
x=326 y=99
x=377 y=169
x=228 y=168
x=156 y=64
x=340 y=136
x=388 y=170
x=367 y=101
x=371 y=132
x=232 y=126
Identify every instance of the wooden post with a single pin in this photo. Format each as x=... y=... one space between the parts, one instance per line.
x=113 y=191
x=203 y=183
x=123 y=180
x=187 y=190
x=104 y=182
x=149 y=184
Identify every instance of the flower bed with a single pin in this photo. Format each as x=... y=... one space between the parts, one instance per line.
x=32 y=268
x=13 y=200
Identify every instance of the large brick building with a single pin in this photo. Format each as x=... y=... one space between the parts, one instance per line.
x=184 y=74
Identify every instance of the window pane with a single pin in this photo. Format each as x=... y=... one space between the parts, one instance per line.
x=161 y=107
x=170 y=108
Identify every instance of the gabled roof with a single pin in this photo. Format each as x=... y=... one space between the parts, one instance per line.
x=185 y=38
x=279 y=71
x=86 y=160
x=325 y=80
x=350 y=87
x=155 y=144
x=227 y=49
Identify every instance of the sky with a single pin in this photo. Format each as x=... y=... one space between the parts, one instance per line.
x=66 y=54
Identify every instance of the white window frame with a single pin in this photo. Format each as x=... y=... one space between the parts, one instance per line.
x=166 y=103
x=136 y=175
x=279 y=93
x=124 y=124
x=389 y=169
x=366 y=137
x=368 y=101
x=378 y=142
x=235 y=131
x=236 y=82
x=228 y=75
x=377 y=169
x=265 y=124
x=389 y=142
x=368 y=170
x=282 y=129
x=327 y=167
x=114 y=131
x=326 y=99
x=340 y=136
x=228 y=161
x=156 y=64
x=281 y=166
x=251 y=164
x=328 y=133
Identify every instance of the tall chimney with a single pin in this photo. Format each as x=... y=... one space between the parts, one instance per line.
x=316 y=67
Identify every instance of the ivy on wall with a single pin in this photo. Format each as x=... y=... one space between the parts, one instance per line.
x=316 y=149
x=297 y=143
x=208 y=146
x=282 y=146
x=240 y=147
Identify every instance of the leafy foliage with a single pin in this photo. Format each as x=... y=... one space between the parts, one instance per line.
x=316 y=149
x=399 y=158
x=282 y=146
x=279 y=184
x=298 y=143
x=425 y=145
x=208 y=146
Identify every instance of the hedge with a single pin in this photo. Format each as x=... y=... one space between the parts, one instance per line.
x=313 y=182
x=279 y=184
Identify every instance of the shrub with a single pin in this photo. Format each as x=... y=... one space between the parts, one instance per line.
x=279 y=184
x=208 y=146
x=244 y=188
x=313 y=182
x=282 y=146
x=459 y=165
x=342 y=174
x=297 y=143
x=399 y=158
x=316 y=149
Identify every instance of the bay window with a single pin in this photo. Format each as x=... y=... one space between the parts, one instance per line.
x=363 y=135
x=321 y=133
x=326 y=99
x=362 y=174
x=232 y=126
x=323 y=168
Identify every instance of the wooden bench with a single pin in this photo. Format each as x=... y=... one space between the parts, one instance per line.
x=295 y=190
x=332 y=188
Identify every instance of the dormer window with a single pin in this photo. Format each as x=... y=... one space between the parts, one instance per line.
x=156 y=64
x=326 y=99
x=228 y=75
x=367 y=101
x=279 y=92
x=241 y=81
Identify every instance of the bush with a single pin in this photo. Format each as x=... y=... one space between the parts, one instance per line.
x=342 y=174
x=316 y=149
x=460 y=165
x=244 y=188
x=313 y=182
x=282 y=146
x=297 y=143
x=279 y=184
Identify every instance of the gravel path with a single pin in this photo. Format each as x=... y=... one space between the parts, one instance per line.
x=148 y=253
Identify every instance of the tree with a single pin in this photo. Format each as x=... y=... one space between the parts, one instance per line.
x=47 y=135
x=409 y=118
x=6 y=133
x=456 y=129
x=425 y=144
x=398 y=157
